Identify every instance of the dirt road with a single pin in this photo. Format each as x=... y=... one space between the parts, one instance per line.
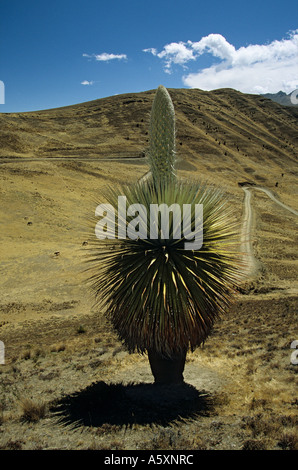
x=253 y=265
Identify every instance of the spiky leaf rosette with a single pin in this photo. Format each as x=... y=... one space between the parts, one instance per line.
x=161 y=153
x=159 y=295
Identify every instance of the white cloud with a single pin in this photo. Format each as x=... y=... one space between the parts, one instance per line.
x=215 y=44
x=87 y=82
x=105 y=57
x=255 y=68
x=151 y=49
x=260 y=77
x=174 y=53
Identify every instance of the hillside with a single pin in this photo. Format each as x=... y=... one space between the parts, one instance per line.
x=60 y=352
x=224 y=130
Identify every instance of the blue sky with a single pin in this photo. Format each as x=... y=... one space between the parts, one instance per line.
x=62 y=52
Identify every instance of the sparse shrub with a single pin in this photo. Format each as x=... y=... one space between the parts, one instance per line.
x=81 y=330
x=26 y=355
x=289 y=441
x=40 y=352
x=169 y=439
x=257 y=403
x=254 y=444
x=260 y=426
x=59 y=347
x=288 y=420
x=13 y=445
x=32 y=411
x=107 y=428
x=163 y=440
x=106 y=446
x=2 y=406
x=50 y=375
x=251 y=367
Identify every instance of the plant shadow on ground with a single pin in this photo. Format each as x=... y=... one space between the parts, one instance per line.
x=119 y=404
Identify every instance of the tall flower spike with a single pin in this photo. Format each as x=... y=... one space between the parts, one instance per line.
x=162 y=137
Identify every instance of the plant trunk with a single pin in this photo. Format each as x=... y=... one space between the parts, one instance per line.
x=167 y=370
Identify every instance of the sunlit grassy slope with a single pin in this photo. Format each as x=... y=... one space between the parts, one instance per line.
x=54 y=167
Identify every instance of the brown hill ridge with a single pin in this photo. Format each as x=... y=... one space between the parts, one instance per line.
x=223 y=127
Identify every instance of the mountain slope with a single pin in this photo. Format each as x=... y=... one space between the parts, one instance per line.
x=58 y=344
x=281 y=97
x=222 y=124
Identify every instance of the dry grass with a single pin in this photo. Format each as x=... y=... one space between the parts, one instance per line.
x=242 y=387
x=243 y=395
x=32 y=411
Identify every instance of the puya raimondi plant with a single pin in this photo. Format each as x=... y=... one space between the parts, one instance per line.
x=162 y=298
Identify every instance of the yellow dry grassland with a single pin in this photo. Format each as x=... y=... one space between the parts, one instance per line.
x=67 y=382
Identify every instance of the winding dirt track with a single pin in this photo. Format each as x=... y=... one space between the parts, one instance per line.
x=269 y=193
x=72 y=159
x=252 y=263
